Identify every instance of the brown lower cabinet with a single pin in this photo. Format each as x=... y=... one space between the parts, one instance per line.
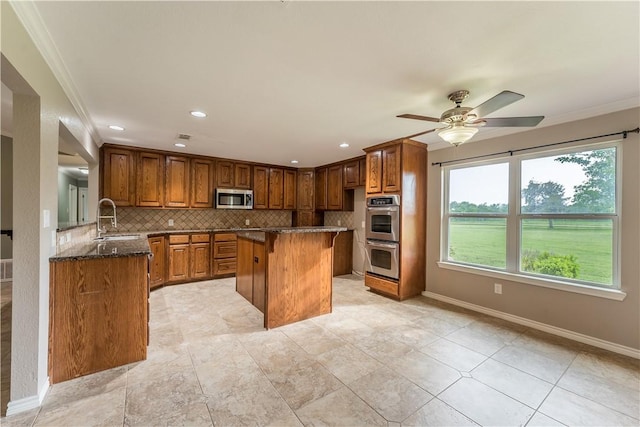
x=98 y=315
x=189 y=257
x=250 y=274
x=157 y=262
x=343 y=253
x=224 y=254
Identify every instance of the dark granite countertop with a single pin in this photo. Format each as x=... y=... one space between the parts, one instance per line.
x=140 y=246
x=104 y=249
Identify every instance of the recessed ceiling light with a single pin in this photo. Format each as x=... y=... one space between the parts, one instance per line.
x=344 y=145
x=116 y=127
x=199 y=114
x=180 y=144
x=84 y=171
x=294 y=161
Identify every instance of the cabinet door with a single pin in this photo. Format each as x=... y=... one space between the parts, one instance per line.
x=177 y=182
x=334 y=188
x=391 y=169
x=178 y=263
x=259 y=275
x=352 y=174
x=374 y=172
x=276 y=188
x=244 y=269
x=200 y=260
x=321 y=189
x=362 y=163
x=224 y=174
x=201 y=183
x=156 y=266
x=343 y=253
x=290 y=189
x=242 y=173
x=119 y=178
x=150 y=188
x=306 y=189
x=260 y=187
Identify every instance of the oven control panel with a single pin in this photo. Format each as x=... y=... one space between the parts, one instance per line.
x=391 y=200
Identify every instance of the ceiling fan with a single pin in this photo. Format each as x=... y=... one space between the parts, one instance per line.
x=462 y=123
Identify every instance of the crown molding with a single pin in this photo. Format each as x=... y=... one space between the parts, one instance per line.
x=30 y=18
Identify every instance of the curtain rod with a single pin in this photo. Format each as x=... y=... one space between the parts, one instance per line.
x=624 y=134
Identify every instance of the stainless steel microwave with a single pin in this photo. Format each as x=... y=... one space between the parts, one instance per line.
x=229 y=198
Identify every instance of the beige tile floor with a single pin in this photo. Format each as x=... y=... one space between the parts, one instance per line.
x=373 y=361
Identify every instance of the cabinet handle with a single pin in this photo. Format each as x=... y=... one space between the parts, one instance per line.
x=255 y=259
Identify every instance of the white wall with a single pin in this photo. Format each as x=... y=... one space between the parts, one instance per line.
x=39 y=106
x=359 y=213
x=616 y=322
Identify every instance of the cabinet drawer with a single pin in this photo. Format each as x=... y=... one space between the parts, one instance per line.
x=225 y=237
x=224 y=249
x=200 y=238
x=175 y=239
x=381 y=285
x=224 y=266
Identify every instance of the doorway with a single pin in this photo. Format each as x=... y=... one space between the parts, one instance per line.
x=73 y=204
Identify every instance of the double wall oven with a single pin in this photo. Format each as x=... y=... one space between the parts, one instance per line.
x=383 y=235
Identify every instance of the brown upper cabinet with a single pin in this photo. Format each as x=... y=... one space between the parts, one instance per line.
x=233 y=175
x=334 y=188
x=384 y=170
x=150 y=182
x=306 y=189
x=321 y=189
x=352 y=174
x=290 y=178
x=260 y=187
x=276 y=188
x=177 y=182
x=118 y=177
x=362 y=165
x=201 y=183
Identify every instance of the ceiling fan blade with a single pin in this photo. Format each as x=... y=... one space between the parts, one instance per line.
x=514 y=121
x=502 y=99
x=418 y=134
x=417 y=117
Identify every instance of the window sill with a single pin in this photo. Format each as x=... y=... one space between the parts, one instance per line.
x=614 y=294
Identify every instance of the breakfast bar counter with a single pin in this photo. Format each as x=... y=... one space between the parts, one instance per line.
x=286 y=272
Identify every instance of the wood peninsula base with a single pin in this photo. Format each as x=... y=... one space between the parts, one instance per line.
x=289 y=278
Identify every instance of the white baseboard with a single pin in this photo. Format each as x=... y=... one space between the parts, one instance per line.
x=28 y=403
x=565 y=333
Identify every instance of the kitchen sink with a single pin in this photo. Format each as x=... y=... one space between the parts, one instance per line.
x=116 y=237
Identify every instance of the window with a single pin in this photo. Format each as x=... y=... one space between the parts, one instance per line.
x=550 y=216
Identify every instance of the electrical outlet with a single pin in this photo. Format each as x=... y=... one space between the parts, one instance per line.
x=497 y=288
x=62 y=240
x=362 y=226
x=170 y=223
x=339 y=223
x=247 y=222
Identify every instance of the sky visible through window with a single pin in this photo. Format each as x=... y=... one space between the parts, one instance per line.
x=490 y=183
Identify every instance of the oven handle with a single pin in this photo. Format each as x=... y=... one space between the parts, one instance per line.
x=382 y=245
x=381 y=209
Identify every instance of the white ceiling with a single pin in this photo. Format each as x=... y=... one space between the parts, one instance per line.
x=283 y=80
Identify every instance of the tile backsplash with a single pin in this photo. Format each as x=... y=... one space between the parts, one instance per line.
x=141 y=219
x=339 y=218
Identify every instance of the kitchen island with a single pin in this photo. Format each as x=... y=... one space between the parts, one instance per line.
x=286 y=272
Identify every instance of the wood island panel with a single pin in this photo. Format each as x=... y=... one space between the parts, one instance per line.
x=298 y=276
x=98 y=315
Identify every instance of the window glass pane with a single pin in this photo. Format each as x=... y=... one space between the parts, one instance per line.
x=581 y=182
x=480 y=241
x=580 y=249
x=479 y=189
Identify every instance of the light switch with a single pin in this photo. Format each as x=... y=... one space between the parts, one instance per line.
x=46 y=214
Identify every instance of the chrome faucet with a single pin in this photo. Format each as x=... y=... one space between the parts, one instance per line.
x=114 y=221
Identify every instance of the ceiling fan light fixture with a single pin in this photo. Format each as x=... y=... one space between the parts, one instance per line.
x=457 y=134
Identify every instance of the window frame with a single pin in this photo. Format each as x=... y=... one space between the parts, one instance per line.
x=514 y=219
